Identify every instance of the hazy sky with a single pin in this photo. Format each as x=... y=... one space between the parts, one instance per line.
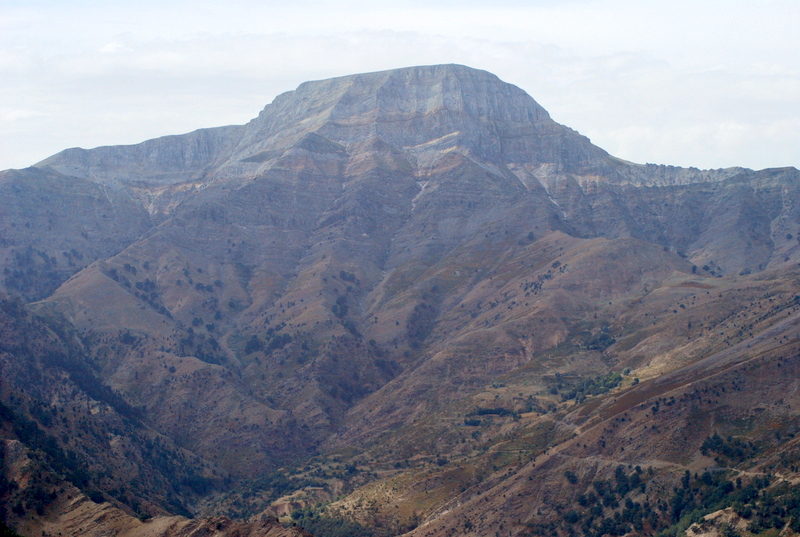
x=703 y=83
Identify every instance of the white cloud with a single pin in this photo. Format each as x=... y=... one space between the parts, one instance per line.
x=7 y=114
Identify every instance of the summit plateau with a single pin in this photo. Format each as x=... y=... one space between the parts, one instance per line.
x=404 y=302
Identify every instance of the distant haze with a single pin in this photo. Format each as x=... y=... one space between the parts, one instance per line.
x=706 y=83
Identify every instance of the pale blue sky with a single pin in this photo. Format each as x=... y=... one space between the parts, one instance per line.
x=703 y=83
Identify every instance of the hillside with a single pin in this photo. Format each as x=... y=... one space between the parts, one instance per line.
x=411 y=294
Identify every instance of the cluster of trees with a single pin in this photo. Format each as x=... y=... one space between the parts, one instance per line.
x=329 y=525
x=29 y=433
x=33 y=274
x=609 y=494
x=585 y=388
x=499 y=411
x=323 y=523
x=421 y=323
x=205 y=348
x=534 y=287
x=14 y=308
x=348 y=277
x=34 y=498
x=6 y=488
x=610 y=507
x=5 y=531
x=340 y=308
x=80 y=374
x=177 y=475
x=146 y=289
x=268 y=487
x=772 y=508
x=730 y=451
x=68 y=464
x=600 y=342
x=273 y=340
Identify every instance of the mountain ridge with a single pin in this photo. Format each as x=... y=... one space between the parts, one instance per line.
x=382 y=280
x=503 y=102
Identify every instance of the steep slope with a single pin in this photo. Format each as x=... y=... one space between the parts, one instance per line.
x=53 y=400
x=735 y=408
x=52 y=226
x=63 y=509
x=542 y=451
x=372 y=263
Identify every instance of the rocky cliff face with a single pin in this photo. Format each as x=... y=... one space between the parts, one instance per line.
x=355 y=268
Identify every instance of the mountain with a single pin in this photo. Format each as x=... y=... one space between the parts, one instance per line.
x=411 y=293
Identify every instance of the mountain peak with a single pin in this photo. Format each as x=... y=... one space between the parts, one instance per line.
x=418 y=90
x=419 y=110
x=401 y=100
x=424 y=111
